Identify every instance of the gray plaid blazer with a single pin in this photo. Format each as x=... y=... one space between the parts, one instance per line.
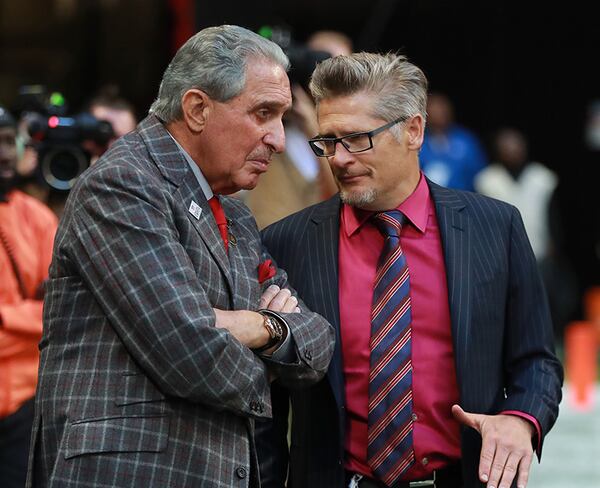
x=136 y=385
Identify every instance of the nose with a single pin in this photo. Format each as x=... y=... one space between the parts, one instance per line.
x=342 y=156
x=276 y=137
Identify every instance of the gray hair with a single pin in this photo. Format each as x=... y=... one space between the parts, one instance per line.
x=400 y=87
x=214 y=60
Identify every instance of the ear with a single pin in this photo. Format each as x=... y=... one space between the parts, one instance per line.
x=196 y=106
x=415 y=130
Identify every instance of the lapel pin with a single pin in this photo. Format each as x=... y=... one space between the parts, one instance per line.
x=195 y=209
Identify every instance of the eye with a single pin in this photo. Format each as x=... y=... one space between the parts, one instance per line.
x=263 y=113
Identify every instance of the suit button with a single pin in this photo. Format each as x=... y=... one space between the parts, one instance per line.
x=261 y=407
x=253 y=406
x=241 y=472
x=308 y=354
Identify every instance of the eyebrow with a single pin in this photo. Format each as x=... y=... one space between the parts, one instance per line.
x=333 y=136
x=272 y=105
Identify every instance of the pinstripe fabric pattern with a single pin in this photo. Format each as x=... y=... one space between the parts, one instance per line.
x=136 y=386
x=501 y=331
x=390 y=445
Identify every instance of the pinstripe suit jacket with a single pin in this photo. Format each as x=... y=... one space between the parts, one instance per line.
x=136 y=385
x=500 y=322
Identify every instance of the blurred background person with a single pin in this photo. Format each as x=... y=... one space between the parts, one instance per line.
x=27 y=229
x=529 y=185
x=526 y=184
x=333 y=42
x=296 y=178
x=451 y=155
x=110 y=106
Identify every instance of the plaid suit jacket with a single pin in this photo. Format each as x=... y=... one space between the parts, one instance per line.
x=136 y=385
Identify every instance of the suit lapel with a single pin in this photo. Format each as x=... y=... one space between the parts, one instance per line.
x=456 y=242
x=205 y=224
x=323 y=239
x=172 y=164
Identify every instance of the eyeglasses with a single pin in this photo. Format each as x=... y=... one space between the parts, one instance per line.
x=354 y=143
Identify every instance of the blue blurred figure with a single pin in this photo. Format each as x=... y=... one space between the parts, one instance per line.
x=451 y=155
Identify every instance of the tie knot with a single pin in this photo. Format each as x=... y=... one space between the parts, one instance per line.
x=390 y=222
x=217 y=210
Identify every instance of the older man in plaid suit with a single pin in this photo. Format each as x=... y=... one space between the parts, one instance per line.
x=164 y=320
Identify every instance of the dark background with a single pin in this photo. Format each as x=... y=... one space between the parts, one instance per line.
x=526 y=64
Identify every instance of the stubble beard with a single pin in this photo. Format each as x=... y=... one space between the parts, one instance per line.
x=358 y=199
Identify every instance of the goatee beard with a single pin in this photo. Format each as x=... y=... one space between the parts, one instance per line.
x=358 y=199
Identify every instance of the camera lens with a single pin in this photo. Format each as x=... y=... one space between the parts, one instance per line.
x=62 y=165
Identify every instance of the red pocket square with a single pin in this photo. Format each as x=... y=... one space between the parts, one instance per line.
x=266 y=270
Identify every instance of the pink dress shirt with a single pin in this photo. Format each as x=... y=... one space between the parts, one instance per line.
x=436 y=434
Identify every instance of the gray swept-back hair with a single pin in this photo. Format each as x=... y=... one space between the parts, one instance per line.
x=399 y=87
x=214 y=60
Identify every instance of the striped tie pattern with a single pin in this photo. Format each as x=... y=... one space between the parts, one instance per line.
x=390 y=445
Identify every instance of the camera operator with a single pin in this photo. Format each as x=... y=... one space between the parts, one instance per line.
x=110 y=106
x=58 y=147
x=27 y=229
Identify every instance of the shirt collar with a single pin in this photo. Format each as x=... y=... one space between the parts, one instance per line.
x=208 y=193
x=415 y=208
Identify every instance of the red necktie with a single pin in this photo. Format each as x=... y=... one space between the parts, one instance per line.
x=219 y=215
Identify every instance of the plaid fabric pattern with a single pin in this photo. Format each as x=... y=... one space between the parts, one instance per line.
x=136 y=385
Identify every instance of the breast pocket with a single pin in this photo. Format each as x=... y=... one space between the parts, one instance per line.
x=117 y=434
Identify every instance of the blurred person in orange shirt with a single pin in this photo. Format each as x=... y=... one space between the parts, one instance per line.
x=27 y=229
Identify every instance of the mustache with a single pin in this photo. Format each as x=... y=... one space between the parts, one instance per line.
x=262 y=155
x=339 y=174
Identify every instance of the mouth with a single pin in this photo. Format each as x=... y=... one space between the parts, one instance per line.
x=348 y=179
x=260 y=164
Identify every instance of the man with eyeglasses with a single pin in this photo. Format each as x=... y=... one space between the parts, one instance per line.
x=444 y=373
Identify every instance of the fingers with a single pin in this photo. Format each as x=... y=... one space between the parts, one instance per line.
x=279 y=300
x=486 y=459
x=290 y=305
x=268 y=296
x=504 y=470
x=505 y=451
x=524 y=467
x=510 y=470
x=497 y=465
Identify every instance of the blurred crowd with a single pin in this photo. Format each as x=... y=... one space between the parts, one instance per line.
x=43 y=149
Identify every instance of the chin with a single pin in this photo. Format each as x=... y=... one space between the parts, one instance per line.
x=248 y=184
x=360 y=199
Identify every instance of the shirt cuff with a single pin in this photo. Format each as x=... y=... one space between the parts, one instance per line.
x=531 y=419
x=285 y=352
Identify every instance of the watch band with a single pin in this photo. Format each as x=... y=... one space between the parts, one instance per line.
x=274 y=328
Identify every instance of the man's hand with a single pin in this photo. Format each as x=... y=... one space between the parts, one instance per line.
x=247 y=326
x=506 y=447
x=279 y=300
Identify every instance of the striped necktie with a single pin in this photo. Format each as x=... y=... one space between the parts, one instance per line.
x=390 y=442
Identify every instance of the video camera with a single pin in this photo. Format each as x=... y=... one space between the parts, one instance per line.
x=302 y=59
x=62 y=142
